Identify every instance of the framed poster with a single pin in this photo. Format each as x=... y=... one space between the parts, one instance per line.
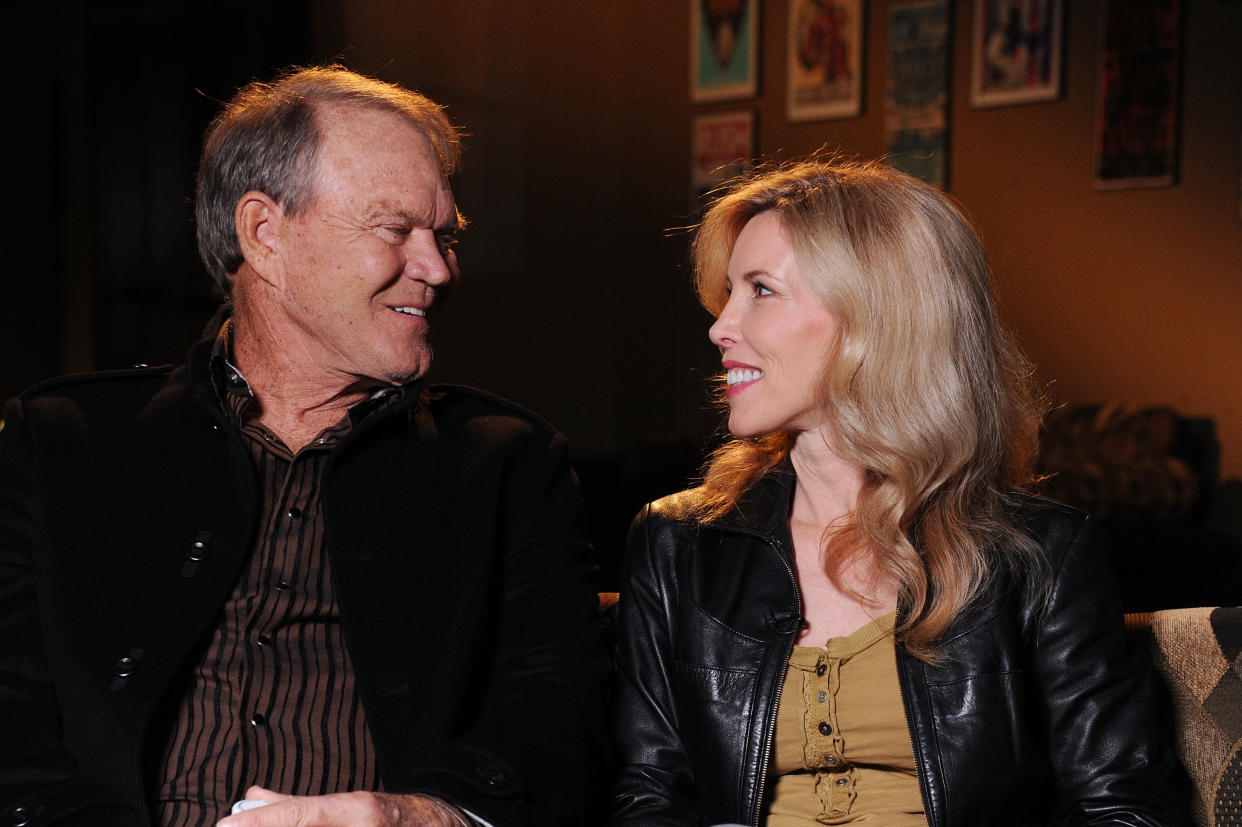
x=1137 y=94
x=724 y=47
x=1016 y=52
x=823 y=64
x=916 y=107
x=722 y=145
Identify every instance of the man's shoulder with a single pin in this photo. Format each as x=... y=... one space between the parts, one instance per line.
x=99 y=407
x=462 y=406
x=137 y=383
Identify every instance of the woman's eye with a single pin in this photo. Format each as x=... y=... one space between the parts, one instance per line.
x=760 y=290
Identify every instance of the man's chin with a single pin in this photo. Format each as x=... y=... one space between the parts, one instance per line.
x=404 y=378
x=408 y=374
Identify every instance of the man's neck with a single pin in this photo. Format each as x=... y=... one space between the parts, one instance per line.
x=293 y=397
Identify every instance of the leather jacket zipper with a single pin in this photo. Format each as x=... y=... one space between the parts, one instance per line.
x=920 y=763
x=769 y=733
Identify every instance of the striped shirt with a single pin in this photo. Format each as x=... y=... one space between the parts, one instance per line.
x=271 y=699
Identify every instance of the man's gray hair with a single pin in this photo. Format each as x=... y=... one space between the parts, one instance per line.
x=267 y=139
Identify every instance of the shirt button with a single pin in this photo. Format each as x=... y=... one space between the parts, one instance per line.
x=821 y=697
x=294 y=512
x=821 y=670
x=125 y=667
x=201 y=547
x=265 y=640
x=825 y=728
x=282 y=585
x=20 y=817
x=258 y=719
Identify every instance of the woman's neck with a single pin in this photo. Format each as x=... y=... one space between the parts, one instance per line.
x=828 y=485
x=825 y=499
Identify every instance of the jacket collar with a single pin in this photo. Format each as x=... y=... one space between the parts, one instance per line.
x=198 y=360
x=763 y=509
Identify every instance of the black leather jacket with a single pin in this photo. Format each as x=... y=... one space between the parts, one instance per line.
x=1031 y=718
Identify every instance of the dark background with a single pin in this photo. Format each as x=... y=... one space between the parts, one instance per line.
x=576 y=300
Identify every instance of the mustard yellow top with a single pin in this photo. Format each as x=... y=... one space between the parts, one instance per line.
x=842 y=753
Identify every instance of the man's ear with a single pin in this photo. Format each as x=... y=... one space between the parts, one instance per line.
x=257 y=218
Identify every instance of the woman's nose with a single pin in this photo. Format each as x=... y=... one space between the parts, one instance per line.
x=723 y=332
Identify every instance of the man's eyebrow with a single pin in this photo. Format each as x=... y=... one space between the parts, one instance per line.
x=385 y=212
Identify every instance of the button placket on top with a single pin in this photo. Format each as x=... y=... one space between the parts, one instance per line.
x=825 y=747
x=280 y=577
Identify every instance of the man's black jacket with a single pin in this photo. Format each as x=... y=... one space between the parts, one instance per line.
x=452 y=522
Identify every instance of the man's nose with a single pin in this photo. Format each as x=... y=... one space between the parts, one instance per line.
x=427 y=261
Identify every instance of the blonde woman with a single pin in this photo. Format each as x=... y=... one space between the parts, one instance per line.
x=858 y=617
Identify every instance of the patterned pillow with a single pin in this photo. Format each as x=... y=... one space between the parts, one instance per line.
x=1198 y=652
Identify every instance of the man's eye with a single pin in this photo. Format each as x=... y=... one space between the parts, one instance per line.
x=398 y=231
x=447 y=243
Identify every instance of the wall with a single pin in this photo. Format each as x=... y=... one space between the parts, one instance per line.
x=115 y=96
x=573 y=301
x=577 y=302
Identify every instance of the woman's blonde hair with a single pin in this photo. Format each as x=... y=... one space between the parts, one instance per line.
x=925 y=389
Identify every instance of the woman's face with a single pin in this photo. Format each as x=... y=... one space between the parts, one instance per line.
x=774 y=335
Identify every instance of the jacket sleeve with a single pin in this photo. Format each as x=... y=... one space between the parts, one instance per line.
x=655 y=785
x=39 y=781
x=534 y=753
x=1111 y=763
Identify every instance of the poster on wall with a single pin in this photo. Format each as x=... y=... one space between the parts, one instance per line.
x=916 y=111
x=723 y=49
x=1016 y=52
x=1136 y=103
x=722 y=145
x=823 y=64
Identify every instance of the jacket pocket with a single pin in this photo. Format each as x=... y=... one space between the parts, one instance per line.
x=981 y=722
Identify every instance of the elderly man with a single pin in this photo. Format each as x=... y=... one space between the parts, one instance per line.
x=288 y=571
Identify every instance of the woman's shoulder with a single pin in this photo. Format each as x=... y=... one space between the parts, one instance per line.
x=1042 y=517
x=676 y=515
x=1054 y=527
x=684 y=506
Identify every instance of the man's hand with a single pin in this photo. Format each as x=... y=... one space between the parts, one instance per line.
x=345 y=810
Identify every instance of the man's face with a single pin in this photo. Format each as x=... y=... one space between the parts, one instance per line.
x=364 y=263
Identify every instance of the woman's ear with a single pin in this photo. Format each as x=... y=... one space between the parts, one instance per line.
x=257 y=218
